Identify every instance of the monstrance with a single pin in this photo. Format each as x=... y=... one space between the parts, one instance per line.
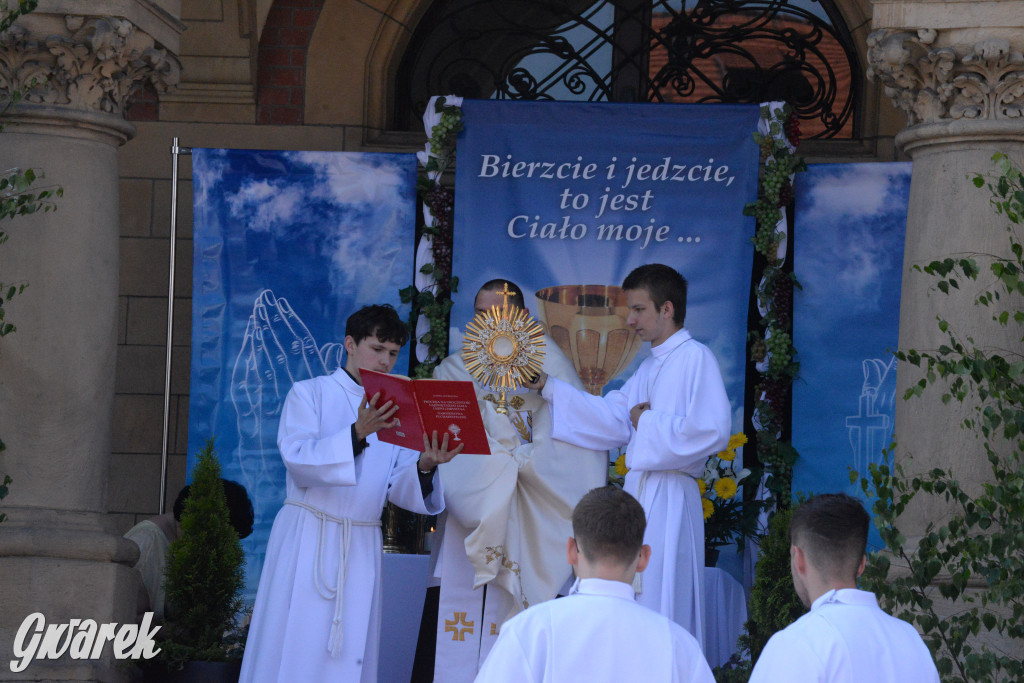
x=503 y=348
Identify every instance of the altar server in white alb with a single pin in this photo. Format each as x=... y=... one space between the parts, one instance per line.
x=508 y=513
x=846 y=637
x=671 y=415
x=598 y=632
x=318 y=607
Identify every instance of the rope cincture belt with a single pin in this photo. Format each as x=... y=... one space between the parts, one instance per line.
x=326 y=592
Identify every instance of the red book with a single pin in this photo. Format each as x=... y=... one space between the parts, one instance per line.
x=428 y=405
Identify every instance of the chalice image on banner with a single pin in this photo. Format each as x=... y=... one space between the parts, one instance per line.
x=588 y=322
x=503 y=347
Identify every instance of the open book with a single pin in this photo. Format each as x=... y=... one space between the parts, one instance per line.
x=426 y=405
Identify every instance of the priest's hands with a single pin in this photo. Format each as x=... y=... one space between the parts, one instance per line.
x=537 y=382
x=435 y=454
x=373 y=418
x=636 y=411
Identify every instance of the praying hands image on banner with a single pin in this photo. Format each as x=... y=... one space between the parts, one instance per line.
x=277 y=351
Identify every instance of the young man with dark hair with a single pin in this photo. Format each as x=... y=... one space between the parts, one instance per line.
x=671 y=415
x=845 y=638
x=318 y=607
x=498 y=546
x=155 y=535
x=598 y=632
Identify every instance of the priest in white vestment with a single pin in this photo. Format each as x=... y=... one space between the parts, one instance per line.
x=318 y=607
x=671 y=414
x=598 y=632
x=846 y=637
x=507 y=514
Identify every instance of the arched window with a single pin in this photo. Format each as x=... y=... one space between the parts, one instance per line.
x=706 y=51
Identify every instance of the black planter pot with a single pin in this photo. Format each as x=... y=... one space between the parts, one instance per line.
x=195 y=672
x=711 y=557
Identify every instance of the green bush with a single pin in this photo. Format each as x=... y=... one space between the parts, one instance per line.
x=773 y=603
x=204 y=575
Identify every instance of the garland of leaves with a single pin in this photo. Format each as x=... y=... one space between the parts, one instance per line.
x=772 y=347
x=433 y=302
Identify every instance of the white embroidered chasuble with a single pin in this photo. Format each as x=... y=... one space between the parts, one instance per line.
x=507 y=519
x=689 y=420
x=292 y=619
x=599 y=633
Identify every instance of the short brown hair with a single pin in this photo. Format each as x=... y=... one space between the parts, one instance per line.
x=609 y=524
x=662 y=283
x=832 y=530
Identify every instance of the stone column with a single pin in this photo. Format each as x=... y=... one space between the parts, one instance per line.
x=956 y=70
x=58 y=554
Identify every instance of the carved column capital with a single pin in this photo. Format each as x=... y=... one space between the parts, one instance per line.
x=93 y=65
x=933 y=83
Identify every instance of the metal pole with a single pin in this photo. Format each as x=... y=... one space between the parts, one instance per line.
x=175 y=151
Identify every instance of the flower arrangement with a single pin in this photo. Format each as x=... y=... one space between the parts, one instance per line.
x=726 y=515
x=617 y=471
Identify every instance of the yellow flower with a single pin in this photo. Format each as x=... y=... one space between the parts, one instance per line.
x=620 y=465
x=735 y=441
x=727 y=455
x=708 y=507
x=702 y=486
x=725 y=488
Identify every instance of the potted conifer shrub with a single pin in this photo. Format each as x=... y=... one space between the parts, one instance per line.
x=201 y=640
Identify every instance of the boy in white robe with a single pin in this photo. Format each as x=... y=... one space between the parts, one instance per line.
x=673 y=413
x=318 y=606
x=598 y=632
x=845 y=638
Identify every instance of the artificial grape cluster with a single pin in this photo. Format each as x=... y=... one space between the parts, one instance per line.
x=782 y=302
x=793 y=129
x=779 y=346
x=776 y=176
x=786 y=195
x=758 y=350
x=441 y=202
x=442 y=136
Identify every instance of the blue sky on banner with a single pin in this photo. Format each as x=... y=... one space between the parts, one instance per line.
x=561 y=193
x=848 y=256
x=286 y=246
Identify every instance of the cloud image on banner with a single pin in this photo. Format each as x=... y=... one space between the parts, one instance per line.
x=850 y=223
x=561 y=194
x=286 y=246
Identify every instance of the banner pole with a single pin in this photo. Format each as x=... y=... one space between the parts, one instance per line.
x=175 y=151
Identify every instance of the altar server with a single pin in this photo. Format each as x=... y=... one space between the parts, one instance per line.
x=318 y=608
x=845 y=638
x=671 y=415
x=598 y=632
x=508 y=513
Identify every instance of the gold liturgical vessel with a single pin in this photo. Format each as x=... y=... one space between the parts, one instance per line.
x=503 y=348
x=588 y=322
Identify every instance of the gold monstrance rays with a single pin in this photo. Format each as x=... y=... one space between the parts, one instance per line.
x=503 y=348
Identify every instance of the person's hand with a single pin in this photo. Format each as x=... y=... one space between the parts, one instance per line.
x=537 y=382
x=372 y=418
x=435 y=454
x=636 y=411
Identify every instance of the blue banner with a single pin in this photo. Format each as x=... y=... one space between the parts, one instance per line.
x=286 y=246
x=850 y=224
x=564 y=195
